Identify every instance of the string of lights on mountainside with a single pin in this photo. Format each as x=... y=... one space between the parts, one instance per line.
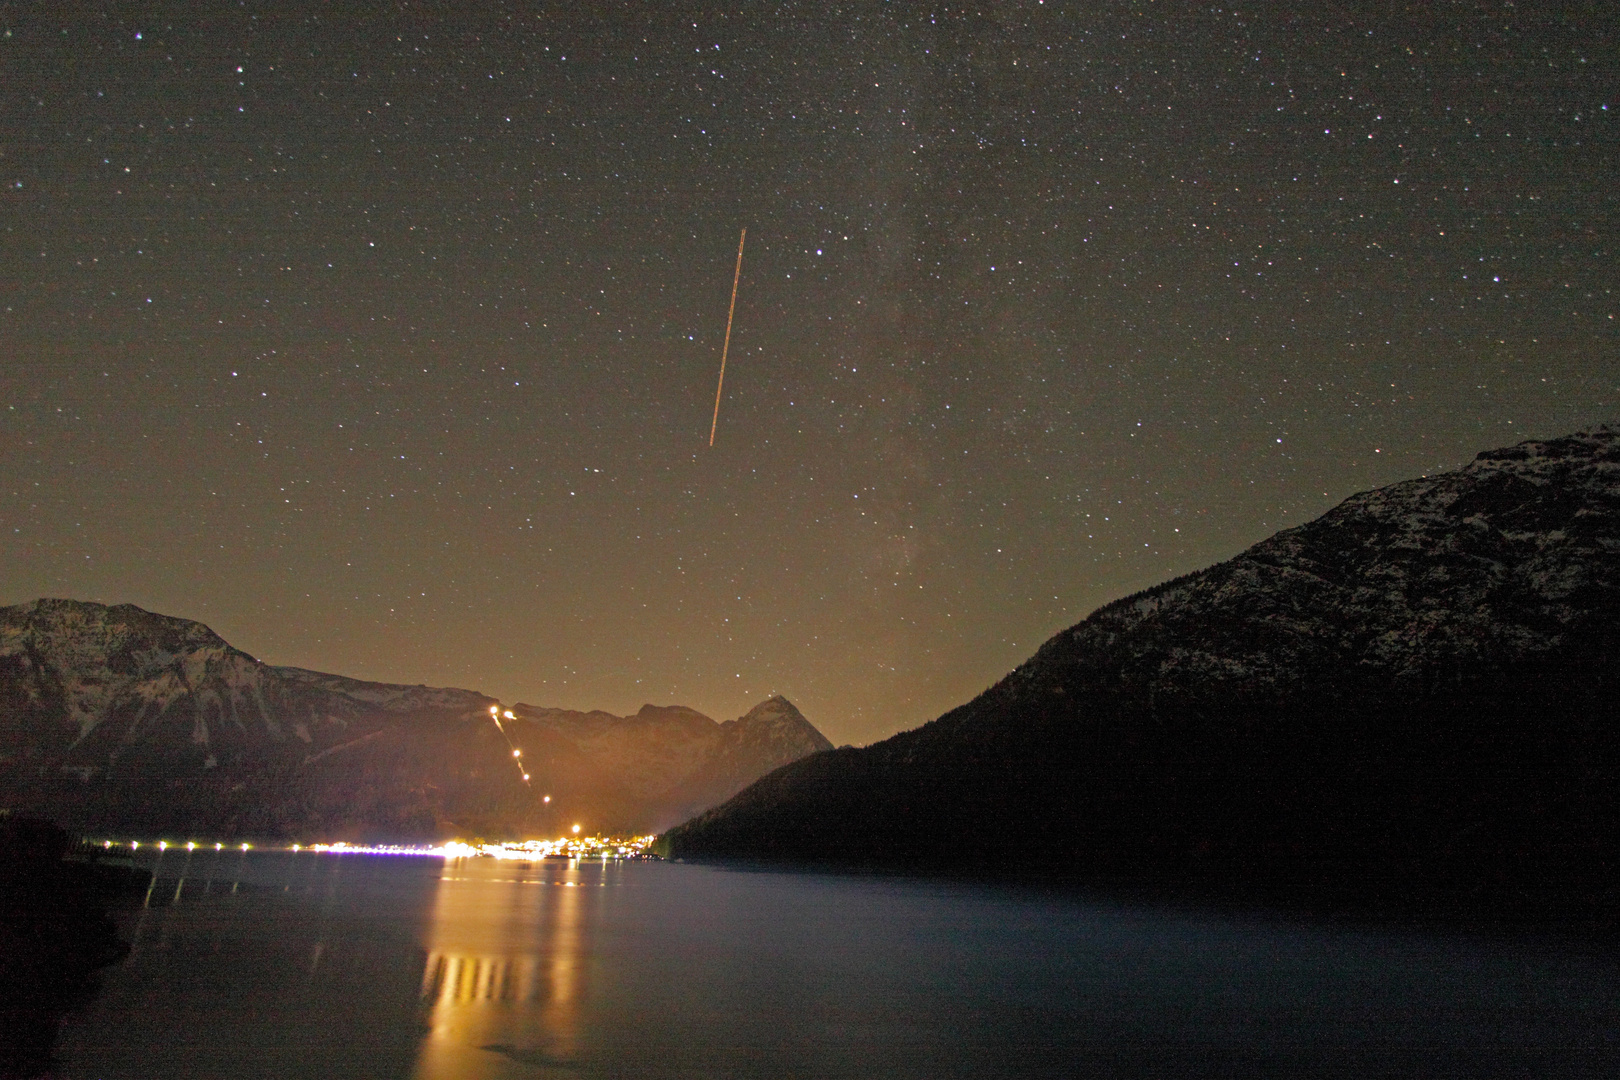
x=388 y=347
x=495 y=713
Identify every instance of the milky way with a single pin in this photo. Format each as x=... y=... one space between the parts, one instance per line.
x=383 y=344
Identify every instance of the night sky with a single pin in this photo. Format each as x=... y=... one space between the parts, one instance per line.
x=387 y=345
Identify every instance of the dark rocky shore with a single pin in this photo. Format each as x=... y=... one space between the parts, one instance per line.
x=55 y=934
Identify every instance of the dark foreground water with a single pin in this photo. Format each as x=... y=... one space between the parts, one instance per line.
x=294 y=966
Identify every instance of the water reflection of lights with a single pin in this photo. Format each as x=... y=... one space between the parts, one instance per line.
x=452 y=979
x=499 y=953
x=197 y=874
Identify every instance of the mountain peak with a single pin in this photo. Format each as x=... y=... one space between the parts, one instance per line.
x=780 y=717
x=776 y=721
x=775 y=705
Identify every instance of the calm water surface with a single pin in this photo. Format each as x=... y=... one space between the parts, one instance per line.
x=295 y=966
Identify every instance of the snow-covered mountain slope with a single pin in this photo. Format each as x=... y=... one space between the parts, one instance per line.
x=1514 y=559
x=85 y=685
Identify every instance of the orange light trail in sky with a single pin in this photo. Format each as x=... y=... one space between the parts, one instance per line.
x=736 y=277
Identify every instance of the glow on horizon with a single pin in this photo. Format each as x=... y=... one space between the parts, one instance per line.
x=574 y=846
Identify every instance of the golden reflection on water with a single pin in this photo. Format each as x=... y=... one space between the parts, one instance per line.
x=505 y=972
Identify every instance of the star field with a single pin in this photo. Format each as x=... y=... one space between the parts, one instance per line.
x=386 y=343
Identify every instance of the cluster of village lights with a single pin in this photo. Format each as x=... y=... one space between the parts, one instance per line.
x=574 y=846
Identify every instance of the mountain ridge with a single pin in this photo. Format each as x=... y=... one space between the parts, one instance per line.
x=1410 y=696
x=119 y=718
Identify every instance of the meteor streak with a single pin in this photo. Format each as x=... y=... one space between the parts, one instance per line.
x=727 y=346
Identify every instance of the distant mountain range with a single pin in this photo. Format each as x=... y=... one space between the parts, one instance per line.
x=115 y=718
x=1412 y=700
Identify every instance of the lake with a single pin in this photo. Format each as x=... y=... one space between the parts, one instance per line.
x=289 y=966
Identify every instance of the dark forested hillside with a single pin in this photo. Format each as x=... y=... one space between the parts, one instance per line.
x=1408 y=701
